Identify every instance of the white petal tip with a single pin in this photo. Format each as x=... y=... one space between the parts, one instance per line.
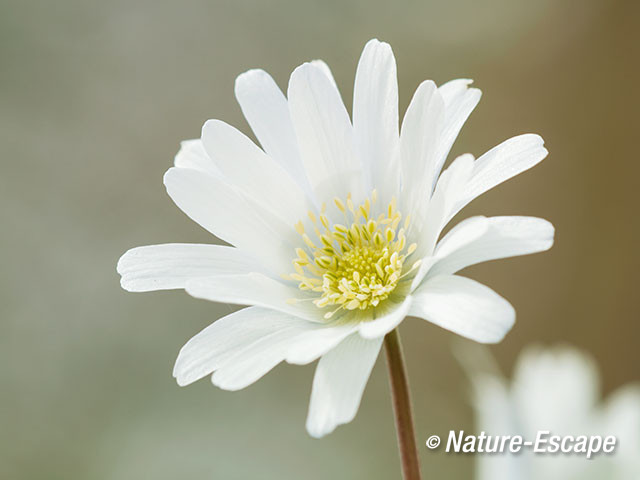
x=544 y=150
x=456 y=83
x=546 y=233
x=127 y=286
x=537 y=139
x=464 y=161
x=551 y=233
x=427 y=84
x=168 y=176
x=182 y=379
x=317 y=434
x=247 y=81
x=322 y=427
x=313 y=433
x=121 y=262
x=299 y=359
x=319 y=431
x=211 y=126
x=497 y=337
x=123 y=267
x=182 y=382
x=254 y=72
x=226 y=384
x=374 y=42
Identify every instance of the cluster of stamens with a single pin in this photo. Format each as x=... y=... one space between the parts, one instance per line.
x=356 y=265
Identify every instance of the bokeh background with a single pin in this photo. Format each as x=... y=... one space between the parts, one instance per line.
x=94 y=99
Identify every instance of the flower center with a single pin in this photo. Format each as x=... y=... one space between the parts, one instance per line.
x=355 y=265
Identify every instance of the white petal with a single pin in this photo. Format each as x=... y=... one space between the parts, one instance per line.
x=458 y=237
x=459 y=102
x=314 y=343
x=170 y=266
x=299 y=343
x=387 y=318
x=502 y=162
x=253 y=172
x=324 y=133
x=504 y=237
x=463 y=306
x=375 y=115
x=465 y=232
x=220 y=341
x=193 y=155
x=339 y=383
x=454 y=89
x=254 y=289
x=223 y=211
x=265 y=108
x=326 y=70
x=254 y=360
x=243 y=346
x=450 y=188
x=421 y=131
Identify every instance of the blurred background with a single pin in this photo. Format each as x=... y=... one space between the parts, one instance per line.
x=94 y=99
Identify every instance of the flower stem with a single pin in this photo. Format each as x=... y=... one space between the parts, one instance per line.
x=402 y=407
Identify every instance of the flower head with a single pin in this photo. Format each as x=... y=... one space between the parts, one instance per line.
x=335 y=227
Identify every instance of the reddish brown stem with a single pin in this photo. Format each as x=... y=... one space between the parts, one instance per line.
x=402 y=407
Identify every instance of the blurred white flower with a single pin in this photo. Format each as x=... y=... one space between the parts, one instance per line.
x=334 y=226
x=557 y=390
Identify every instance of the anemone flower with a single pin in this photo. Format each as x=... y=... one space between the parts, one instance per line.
x=334 y=230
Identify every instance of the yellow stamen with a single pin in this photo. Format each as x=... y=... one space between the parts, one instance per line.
x=356 y=266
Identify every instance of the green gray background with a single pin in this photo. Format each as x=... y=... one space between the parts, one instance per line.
x=94 y=99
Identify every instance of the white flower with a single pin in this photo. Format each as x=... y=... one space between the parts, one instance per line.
x=557 y=390
x=334 y=227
